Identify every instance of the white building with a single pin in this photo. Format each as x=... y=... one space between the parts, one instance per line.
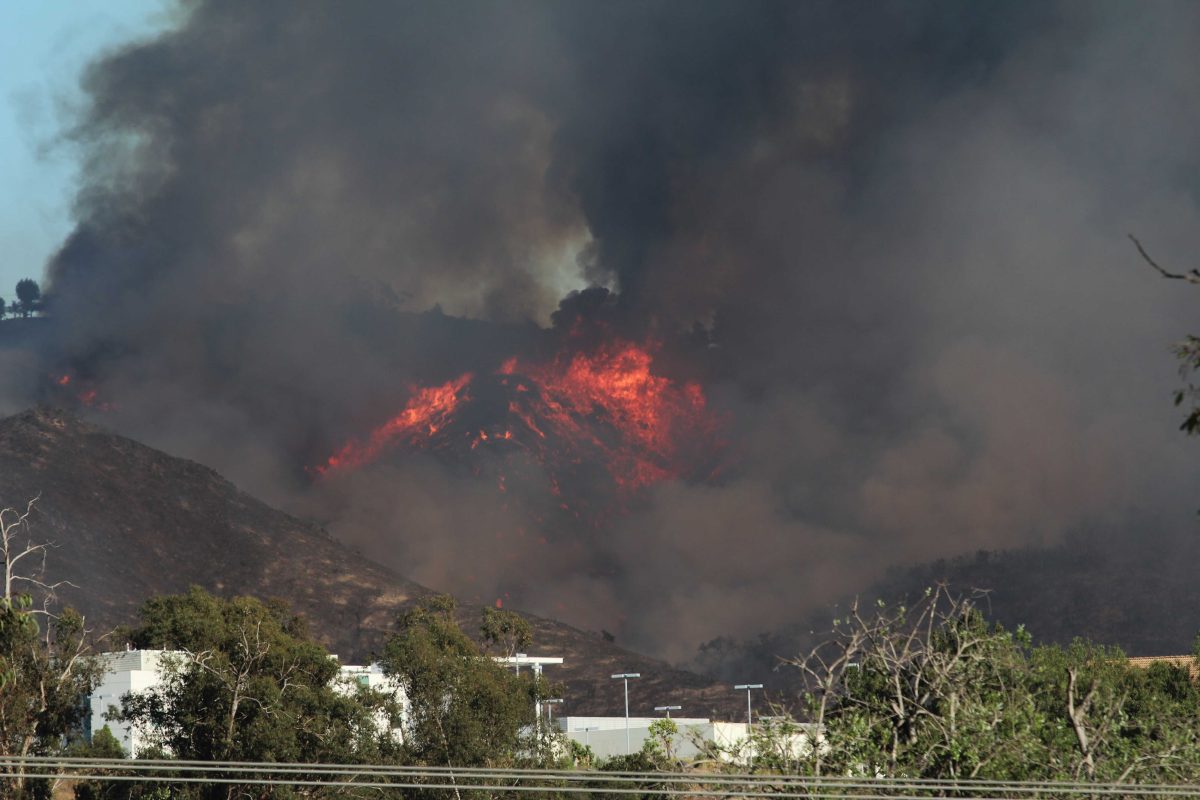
x=606 y=736
x=353 y=678
x=124 y=672
x=140 y=670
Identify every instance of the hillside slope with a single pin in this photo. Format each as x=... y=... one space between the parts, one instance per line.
x=1130 y=585
x=129 y=522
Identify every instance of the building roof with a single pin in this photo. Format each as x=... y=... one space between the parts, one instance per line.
x=1144 y=662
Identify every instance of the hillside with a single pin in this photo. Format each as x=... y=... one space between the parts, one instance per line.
x=23 y=331
x=129 y=522
x=1132 y=586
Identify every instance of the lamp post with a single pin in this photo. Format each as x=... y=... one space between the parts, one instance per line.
x=668 y=709
x=749 y=721
x=625 y=676
x=535 y=663
x=550 y=704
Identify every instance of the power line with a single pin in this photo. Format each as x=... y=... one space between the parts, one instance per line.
x=567 y=781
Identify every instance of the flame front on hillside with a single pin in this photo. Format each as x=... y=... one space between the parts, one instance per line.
x=427 y=411
x=605 y=407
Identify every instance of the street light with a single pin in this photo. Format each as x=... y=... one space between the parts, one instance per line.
x=550 y=710
x=668 y=709
x=749 y=720
x=587 y=738
x=625 y=676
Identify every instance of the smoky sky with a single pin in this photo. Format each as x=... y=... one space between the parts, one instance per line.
x=899 y=229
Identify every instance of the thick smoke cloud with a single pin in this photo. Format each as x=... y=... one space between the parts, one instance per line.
x=899 y=228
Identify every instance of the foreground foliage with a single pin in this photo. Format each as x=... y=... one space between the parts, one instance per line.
x=935 y=691
x=246 y=682
x=927 y=690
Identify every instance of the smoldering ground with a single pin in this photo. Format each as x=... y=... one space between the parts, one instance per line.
x=896 y=231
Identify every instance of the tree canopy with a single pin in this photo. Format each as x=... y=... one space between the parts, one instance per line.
x=250 y=684
x=464 y=709
x=935 y=691
x=29 y=294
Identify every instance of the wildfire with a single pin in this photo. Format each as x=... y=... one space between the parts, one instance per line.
x=609 y=403
x=604 y=407
x=427 y=411
x=87 y=396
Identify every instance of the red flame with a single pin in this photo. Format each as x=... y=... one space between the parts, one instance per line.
x=427 y=411
x=604 y=406
x=85 y=395
x=613 y=390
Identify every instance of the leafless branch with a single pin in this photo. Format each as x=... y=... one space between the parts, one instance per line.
x=1191 y=276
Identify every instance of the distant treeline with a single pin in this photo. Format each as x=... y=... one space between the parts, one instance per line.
x=29 y=300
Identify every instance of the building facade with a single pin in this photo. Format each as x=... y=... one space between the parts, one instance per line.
x=132 y=671
x=606 y=737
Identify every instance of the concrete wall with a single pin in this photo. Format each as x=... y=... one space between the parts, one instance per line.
x=606 y=736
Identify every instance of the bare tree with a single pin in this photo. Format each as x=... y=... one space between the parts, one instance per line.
x=1187 y=350
x=25 y=561
x=929 y=686
x=45 y=671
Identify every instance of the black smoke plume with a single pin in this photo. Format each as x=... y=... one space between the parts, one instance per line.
x=887 y=237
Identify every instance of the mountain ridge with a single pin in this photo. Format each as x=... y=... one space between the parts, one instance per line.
x=129 y=522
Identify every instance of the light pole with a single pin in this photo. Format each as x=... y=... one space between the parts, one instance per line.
x=550 y=704
x=749 y=720
x=625 y=676
x=668 y=709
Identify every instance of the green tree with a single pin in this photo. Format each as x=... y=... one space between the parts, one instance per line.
x=28 y=295
x=46 y=673
x=929 y=690
x=661 y=740
x=464 y=709
x=935 y=691
x=3 y=308
x=1188 y=396
x=102 y=745
x=505 y=631
x=247 y=683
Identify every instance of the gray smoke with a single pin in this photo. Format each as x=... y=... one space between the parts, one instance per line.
x=899 y=225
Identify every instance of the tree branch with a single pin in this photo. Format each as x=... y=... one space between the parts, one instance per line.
x=1191 y=276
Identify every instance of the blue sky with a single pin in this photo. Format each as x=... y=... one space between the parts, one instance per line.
x=44 y=47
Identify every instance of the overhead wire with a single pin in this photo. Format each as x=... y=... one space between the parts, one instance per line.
x=581 y=782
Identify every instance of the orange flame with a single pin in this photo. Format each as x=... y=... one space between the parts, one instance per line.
x=606 y=405
x=614 y=387
x=426 y=412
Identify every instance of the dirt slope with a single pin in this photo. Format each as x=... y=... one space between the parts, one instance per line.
x=129 y=522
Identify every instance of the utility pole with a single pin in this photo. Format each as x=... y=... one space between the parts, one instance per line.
x=668 y=709
x=550 y=704
x=625 y=676
x=749 y=721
